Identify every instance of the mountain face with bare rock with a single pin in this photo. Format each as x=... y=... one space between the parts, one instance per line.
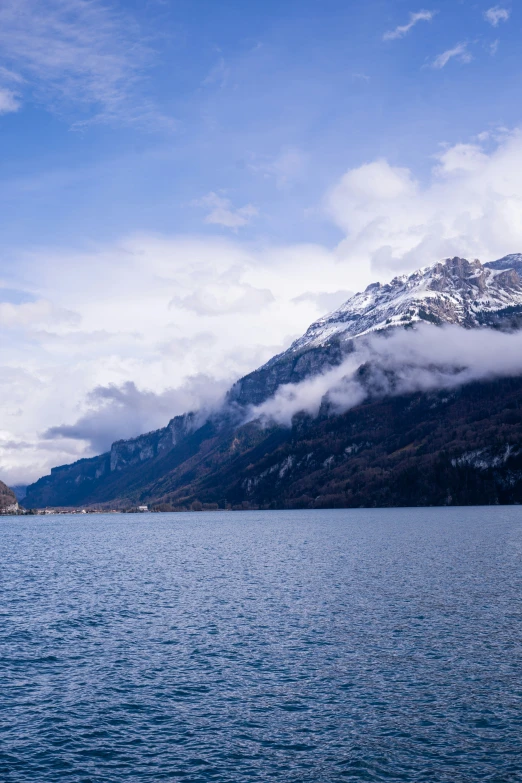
x=354 y=458
x=455 y=291
x=8 y=502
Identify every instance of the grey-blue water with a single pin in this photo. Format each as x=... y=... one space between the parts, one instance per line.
x=296 y=646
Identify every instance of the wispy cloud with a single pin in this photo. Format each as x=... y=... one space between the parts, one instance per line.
x=77 y=54
x=286 y=168
x=223 y=213
x=496 y=15
x=459 y=52
x=10 y=77
x=402 y=30
x=358 y=76
x=218 y=75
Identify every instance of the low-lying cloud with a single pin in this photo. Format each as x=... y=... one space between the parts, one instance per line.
x=406 y=361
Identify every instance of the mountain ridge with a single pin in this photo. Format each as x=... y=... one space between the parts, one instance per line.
x=454 y=291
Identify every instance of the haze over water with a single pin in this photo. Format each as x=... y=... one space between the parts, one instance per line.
x=318 y=646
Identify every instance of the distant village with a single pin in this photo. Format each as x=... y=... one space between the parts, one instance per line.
x=18 y=511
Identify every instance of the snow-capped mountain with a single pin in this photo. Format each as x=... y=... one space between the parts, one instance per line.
x=454 y=291
x=167 y=464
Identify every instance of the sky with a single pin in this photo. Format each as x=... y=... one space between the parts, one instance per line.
x=186 y=186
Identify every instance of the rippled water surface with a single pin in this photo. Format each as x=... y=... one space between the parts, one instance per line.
x=277 y=646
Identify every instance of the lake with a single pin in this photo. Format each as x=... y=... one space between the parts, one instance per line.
x=302 y=646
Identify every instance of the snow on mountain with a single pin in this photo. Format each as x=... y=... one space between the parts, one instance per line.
x=513 y=261
x=453 y=291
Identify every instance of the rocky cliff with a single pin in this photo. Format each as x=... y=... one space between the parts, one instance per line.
x=8 y=502
x=77 y=484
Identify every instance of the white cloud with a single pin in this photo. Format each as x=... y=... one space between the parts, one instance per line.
x=224 y=293
x=496 y=15
x=39 y=314
x=223 y=213
x=218 y=299
x=471 y=206
x=9 y=101
x=402 y=30
x=459 y=52
x=461 y=158
x=324 y=301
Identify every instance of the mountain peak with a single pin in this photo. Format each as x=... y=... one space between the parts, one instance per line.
x=455 y=290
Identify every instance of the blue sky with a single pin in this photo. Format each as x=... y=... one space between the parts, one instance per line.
x=193 y=97
x=186 y=185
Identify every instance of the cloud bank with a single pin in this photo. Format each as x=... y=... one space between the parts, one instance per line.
x=469 y=206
